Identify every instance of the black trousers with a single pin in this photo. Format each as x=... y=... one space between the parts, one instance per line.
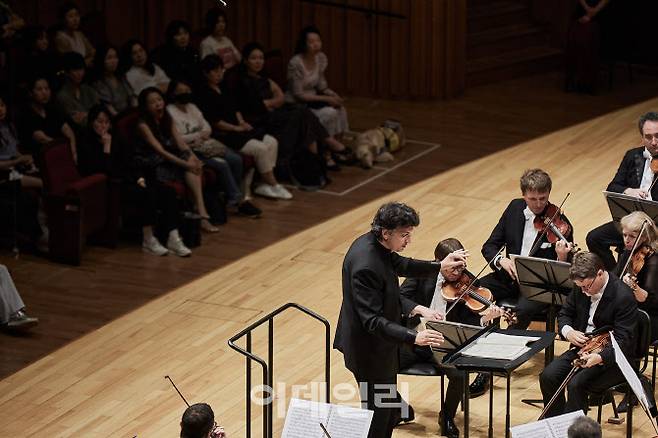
x=599 y=241
x=455 y=389
x=587 y=380
x=381 y=397
x=503 y=287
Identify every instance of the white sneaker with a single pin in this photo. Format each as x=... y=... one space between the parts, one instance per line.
x=266 y=191
x=153 y=246
x=282 y=192
x=175 y=244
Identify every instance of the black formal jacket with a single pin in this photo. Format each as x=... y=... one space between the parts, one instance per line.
x=618 y=309
x=509 y=231
x=369 y=330
x=629 y=173
x=647 y=278
x=421 y=291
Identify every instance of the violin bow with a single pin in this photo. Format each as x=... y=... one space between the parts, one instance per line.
x=548 y=224
x=176 y=388
x=473 y=280
x=635 y=245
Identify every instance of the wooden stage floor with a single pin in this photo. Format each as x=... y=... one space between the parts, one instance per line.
x=114 y=327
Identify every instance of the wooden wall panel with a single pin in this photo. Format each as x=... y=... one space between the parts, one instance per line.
x=419 y=57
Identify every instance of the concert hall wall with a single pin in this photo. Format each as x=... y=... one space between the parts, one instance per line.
x=420 y=56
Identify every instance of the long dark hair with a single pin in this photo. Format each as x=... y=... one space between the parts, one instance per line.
x=93 y=114
x=160 y=130
x=246 y=51
x=173 y=28
x=127 y=58
x=212 y=17
x=98 y=70
x=300 y=47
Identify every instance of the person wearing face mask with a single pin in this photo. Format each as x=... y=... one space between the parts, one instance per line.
x=633 y=178
x=69 y=38
x=196 y=133
x=113 y=90
x=177 y=57
x=76 y=98
x=369 y=331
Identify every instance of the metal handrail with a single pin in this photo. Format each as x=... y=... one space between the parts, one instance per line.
x=268 y=367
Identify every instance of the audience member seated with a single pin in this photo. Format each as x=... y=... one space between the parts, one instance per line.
x=199 y=422
x=141 y=72
x=12 y=308
x=155 y=202
x=95 y=149
x=584 y=427
x=41 y=123
x=113 y=90
x=177 y=57
x=232 y=130
x=76 y=98
x=217 y=43
x=298 y=130
x=10 y=23
x=69 y=38
x=195 y=132
x=307 y=84
x=20 y=166
x=28 y=216
x=38 y=58
x=161 y=145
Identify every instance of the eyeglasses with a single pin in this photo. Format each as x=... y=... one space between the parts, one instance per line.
x=589 y=286
x=650 y=137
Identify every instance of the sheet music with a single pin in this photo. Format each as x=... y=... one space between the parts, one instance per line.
x=499 y=346
x=554 y=427
x=629 y=373
x=304 y=417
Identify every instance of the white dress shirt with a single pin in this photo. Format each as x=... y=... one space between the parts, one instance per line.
x=647 y=173
x=529 y=236
x=594 y=304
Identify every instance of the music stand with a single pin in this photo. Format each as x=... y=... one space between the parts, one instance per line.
x=620 y=205
x=546 y=281
x=455 y=336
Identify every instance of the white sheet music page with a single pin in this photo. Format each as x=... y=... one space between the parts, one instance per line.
x=554 y=427
x=304 y=417
x=629 y=373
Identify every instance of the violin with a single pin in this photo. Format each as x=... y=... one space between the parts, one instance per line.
x=637 y=259
x=595 y=344
x=552 y=223
x=476 y=298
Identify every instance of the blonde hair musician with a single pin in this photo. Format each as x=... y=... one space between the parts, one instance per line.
x=643 y=277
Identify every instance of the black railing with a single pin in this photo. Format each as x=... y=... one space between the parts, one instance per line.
x=268 y=367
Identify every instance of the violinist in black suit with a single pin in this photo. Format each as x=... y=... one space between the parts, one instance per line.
x=428 y=292
x=369 y=330
x=634 y=177
x=517 y=232
x=601 y=299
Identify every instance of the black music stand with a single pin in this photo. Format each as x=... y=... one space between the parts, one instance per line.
x=620 y=205
x=455 y=336
x=471 y=364
x=546 y=281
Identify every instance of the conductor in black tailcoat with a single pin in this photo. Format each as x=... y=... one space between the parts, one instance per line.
x=369 y=330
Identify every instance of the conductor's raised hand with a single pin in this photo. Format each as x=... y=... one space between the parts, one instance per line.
x=455 y=259
x=429 y=337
